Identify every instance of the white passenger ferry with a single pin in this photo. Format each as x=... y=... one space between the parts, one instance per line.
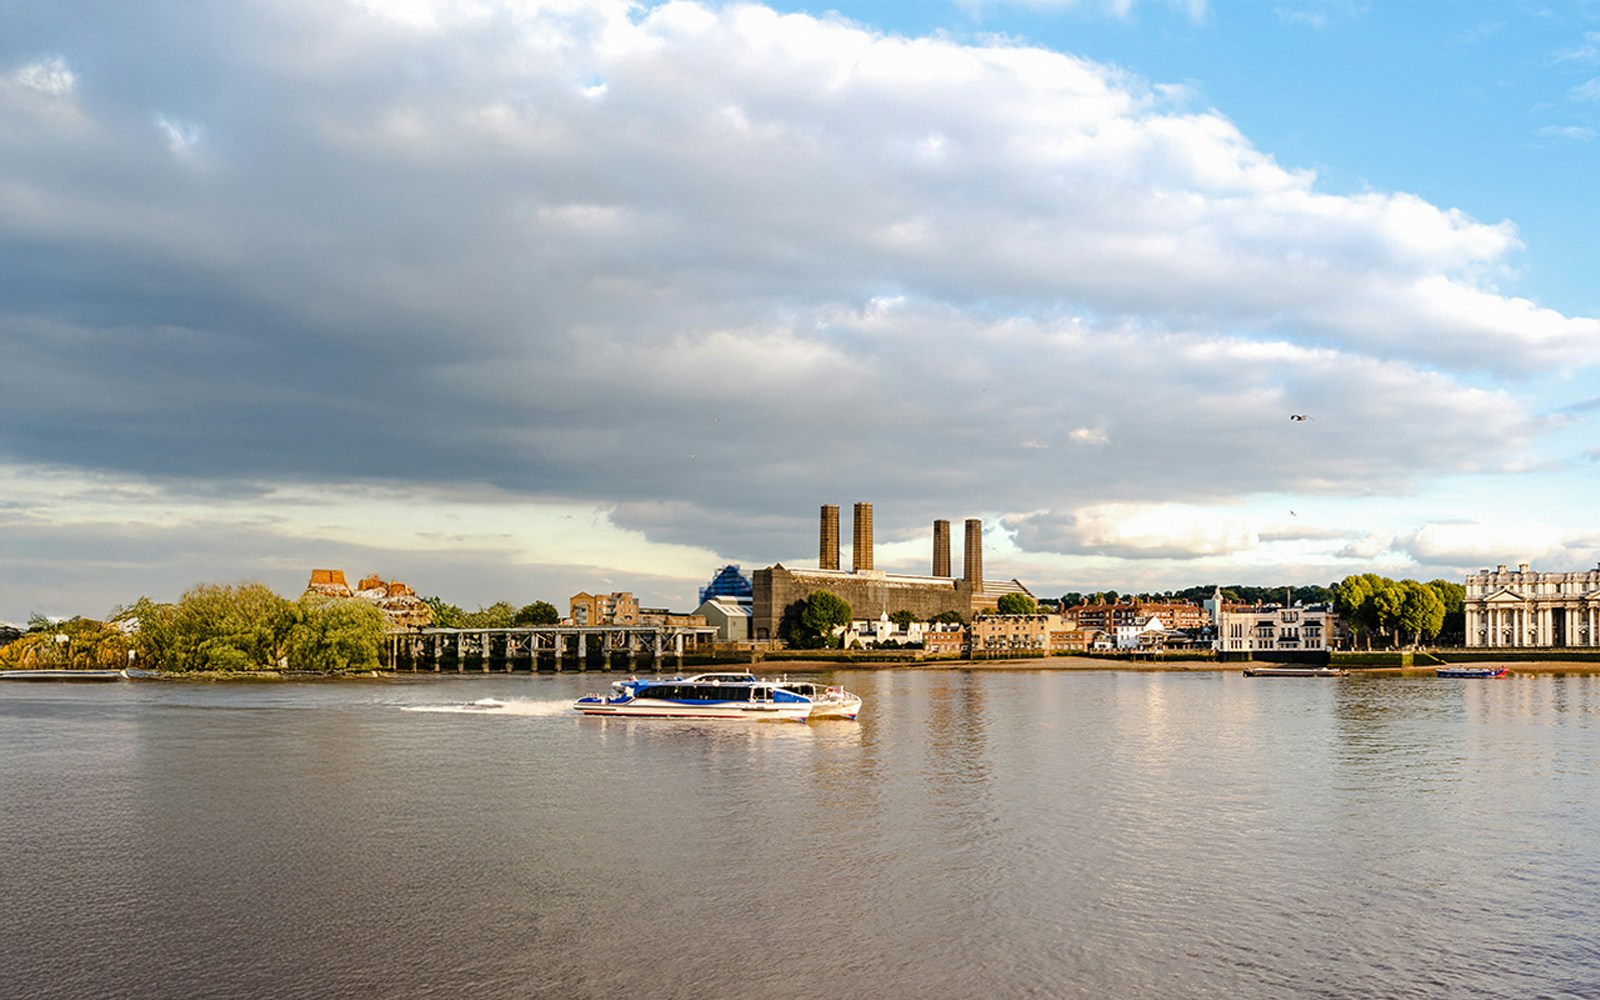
x=703 y=696
x=828 y=701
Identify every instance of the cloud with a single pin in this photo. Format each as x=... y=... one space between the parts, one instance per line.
x=1131 y=532
x=700 y=268
x=1577 y=133
x=50 y=76
x=181 y=137
x=1588 y=91
x=1465 y=543
x=1586 y=51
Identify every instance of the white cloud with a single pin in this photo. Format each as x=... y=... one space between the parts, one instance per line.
x=1586 y=51
x=181 y=137
x=1482 y=544
x=49 y=76
x=1577 y=133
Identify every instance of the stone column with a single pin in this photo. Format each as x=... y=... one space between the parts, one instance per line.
x=559 y=647
x=583 y=651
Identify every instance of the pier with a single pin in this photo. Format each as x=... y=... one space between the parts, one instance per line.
x=540 y=647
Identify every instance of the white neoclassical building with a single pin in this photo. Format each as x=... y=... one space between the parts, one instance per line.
x=1523 y=608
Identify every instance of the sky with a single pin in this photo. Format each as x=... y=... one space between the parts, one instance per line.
x=509 y=300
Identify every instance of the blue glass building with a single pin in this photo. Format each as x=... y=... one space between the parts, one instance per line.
x=728 y=582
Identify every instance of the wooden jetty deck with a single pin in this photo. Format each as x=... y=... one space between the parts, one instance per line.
x=552 y=647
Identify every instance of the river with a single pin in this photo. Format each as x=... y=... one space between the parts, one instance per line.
x=974 y=834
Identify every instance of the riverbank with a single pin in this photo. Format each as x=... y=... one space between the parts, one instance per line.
x=1084 y=663
x=772 y=667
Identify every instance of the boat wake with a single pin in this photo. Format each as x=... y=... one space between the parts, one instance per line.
x=496 y=706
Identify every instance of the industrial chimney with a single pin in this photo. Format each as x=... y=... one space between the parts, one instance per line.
x=941 y=548
x=972 y=567
x=828 y=545
x=861 y=547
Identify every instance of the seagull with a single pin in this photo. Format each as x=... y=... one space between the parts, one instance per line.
x=1293 y=514
x=1298 y=416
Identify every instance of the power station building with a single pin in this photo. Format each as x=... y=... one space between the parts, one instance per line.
x=870 y=592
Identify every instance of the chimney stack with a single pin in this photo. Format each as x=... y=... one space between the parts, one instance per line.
x=972 y=567
x=828 y=545
x=861 y=548
x=941 y=548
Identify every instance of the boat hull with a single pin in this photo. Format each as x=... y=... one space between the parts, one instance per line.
x=648 y=708
x=1295 y=672
x=1479 y=672
x=845 y=707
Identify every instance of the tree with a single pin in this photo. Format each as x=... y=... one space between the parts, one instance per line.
x=1421 y=611
x=497 y=615
x=809 y=624
x=215 y=627
x=1388 y=602
x=949 y=618
x=74 y=644
x=903 y=619
x=1070 y=598
x=334 y=636
x=445 y=615
x=1017 y=604
x=825 y=611
x=537 y=613
x=1353 y=599
x=1454 y=598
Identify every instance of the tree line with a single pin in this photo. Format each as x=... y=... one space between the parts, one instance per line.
x=1400 y=611
x=238 y=628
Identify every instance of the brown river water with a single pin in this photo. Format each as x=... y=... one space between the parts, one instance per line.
x=974 y=834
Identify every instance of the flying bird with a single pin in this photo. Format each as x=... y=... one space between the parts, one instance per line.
x=1298 y=416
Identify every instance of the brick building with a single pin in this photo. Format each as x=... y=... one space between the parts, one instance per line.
x=604 y=609
x=872 y=592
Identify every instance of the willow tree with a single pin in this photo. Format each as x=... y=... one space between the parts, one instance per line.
x=331 y=635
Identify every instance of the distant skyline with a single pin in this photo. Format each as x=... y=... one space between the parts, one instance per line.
x=512 y=300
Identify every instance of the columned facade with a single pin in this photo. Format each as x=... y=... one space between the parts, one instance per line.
x=1521 y=608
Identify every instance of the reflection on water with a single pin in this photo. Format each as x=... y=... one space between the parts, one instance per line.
x=973 y=834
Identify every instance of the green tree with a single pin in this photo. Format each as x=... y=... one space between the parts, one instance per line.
x=1388 y=603
x=1017 y=604
x=1354 y=600
x=497 y=615
x=809 y=624
x=215 y=627
x=537 y=613
x=903 y=619
x=1422 y=611
x=335 y=636
x=445 y=615
x=949 y=618
x=825 y=611
x=1454 y=598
